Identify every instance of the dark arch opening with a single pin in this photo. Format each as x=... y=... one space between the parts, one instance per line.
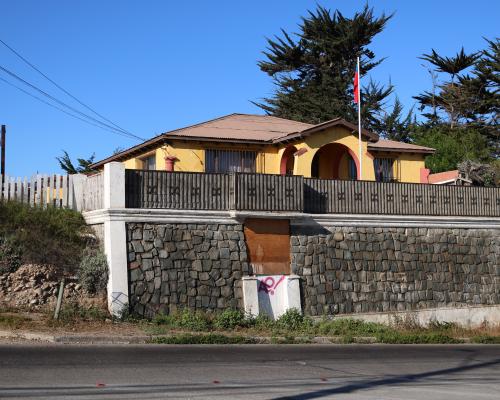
x=288 y=161
x=335 y=161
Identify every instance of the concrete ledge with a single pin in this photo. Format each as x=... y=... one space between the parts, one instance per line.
x=159 y=216
x=297 y=219
x=467 y=317
x=398 y=221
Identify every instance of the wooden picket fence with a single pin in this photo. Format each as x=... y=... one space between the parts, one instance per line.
x=77 y=192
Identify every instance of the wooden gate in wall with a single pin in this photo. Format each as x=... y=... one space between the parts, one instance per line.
x=268 y=243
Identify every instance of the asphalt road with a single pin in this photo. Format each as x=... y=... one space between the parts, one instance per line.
x=249 y=372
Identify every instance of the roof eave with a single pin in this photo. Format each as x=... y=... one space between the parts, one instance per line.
x=397 y=150
x=164 y=139
x=371 y=136
x=131 y=151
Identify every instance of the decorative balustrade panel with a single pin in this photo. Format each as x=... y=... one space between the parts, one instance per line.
x=363 y=197
x=264 y=192
x=179 y=190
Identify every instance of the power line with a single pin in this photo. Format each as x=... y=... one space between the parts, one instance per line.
x=64 y=90
x=66 y=105
x=60 y=109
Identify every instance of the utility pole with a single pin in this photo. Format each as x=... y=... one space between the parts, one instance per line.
x=2 y=155
x=2 y=160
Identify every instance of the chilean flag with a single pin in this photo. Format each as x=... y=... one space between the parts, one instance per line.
x=356 y=87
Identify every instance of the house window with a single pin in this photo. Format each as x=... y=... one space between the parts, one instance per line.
x=384 y=169
x=149 y=163
x=230 y=161
x=353 y=171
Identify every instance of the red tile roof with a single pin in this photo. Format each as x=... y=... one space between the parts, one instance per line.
x=392 y=145
x=255 y=129
x=241 y=127
x=443 y=176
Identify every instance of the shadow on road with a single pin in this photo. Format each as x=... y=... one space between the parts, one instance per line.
x=408 y=378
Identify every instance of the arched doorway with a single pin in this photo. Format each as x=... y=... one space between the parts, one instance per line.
x=288 y=161
x=335 y=161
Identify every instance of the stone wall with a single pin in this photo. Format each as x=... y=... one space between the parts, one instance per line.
x=185 y=265
x=349 y=270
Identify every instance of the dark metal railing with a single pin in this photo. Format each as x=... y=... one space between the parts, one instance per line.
x=263 y=192
x=177 y=190
x=364 y=197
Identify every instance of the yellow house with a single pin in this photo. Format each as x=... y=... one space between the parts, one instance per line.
x=272 y=145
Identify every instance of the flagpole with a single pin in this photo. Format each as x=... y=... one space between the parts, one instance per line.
x=359 y=127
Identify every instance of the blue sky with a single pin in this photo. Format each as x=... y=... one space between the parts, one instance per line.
x=152 y=66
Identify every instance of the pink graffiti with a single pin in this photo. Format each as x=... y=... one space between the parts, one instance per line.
x=268 y=284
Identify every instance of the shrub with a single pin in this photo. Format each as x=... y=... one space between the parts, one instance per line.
x=93 y=271
x=194 y=321
x=10 y=256
x=230 y=319
x=293 y=320
x=43 y=235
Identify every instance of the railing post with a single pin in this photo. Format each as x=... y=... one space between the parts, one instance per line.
x=115 y=239
x=232 y=190
x=114 y=185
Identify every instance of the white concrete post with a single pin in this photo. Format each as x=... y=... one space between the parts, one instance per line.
x=115 y=239
x=114 y=185
x=293 y=293
x=250 y=296
x=75 y=198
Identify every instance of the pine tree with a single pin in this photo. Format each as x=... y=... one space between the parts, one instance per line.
x=396 y=126
x=469 y=96
x=313 y=70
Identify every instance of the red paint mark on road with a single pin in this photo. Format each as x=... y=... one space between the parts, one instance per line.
x=268 y=284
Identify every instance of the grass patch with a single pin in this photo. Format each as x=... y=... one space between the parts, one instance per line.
x=13 y=321
x=350 y=327
x=486 y=339
x=416 y=338
x=73 y=312
x=185 y=319
x=211 y=338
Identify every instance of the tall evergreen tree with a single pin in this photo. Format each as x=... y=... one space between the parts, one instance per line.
x=450 y=93
x=468 y=97
x=395 y=125
x=313 y=70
